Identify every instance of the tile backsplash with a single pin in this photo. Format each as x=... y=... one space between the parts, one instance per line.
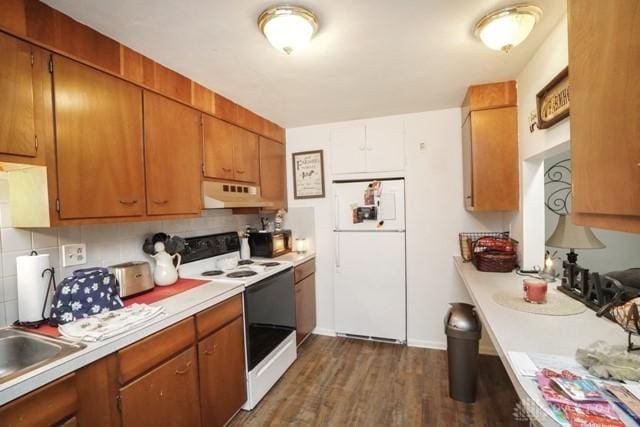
x=107 y=244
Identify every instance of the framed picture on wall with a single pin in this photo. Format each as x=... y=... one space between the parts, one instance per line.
x=308 y=174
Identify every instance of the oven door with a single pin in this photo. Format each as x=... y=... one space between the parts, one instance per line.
x=270 y=315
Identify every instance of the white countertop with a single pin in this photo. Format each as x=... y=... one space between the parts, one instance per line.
x=296 y=258
x=512 y=330
x=177 y=308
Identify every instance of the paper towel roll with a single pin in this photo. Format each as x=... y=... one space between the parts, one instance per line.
x=32 y=287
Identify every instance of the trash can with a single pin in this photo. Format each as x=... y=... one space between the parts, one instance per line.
x=462 y=327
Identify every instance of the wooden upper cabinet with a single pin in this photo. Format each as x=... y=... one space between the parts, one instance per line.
x=273 y=184
x=230 y=152
x=173 y=162
x=17 y=109
x=100 y=156
x=218 y=148
x=604 y=58
x=245 y=156
x=490 y=150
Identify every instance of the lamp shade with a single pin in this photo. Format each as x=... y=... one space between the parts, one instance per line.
x=570 y=236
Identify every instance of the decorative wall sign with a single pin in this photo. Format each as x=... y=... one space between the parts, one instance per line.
x=553 y=100
x=308 y=175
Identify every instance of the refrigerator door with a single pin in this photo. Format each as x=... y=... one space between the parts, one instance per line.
x=389 y=206
x=370 y=286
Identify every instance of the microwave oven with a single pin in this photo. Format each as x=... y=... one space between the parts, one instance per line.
x=270 y=244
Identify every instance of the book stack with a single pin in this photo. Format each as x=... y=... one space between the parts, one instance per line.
x=577 y=401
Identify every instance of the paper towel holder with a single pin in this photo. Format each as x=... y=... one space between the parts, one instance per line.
x=52 y=283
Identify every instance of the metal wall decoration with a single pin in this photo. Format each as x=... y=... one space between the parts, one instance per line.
x=552 y=101
x=308 y=174
x=557 y=181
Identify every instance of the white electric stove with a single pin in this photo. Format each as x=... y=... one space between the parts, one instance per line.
x=269 y=305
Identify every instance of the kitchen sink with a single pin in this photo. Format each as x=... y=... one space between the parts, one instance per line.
x=22 y=351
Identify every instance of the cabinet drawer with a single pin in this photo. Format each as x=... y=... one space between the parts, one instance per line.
x=166 y=396
x=46 y=406
x=303 y=270
x=151 y=351
x=214 y=318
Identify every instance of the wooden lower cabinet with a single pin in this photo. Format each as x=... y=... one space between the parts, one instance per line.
x=222 y=374
x=168 y=395
x=166 y=379
x=305 y=286
x=305 y=307
x=54 y=404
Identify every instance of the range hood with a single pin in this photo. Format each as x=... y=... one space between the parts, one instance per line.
x=220 y=195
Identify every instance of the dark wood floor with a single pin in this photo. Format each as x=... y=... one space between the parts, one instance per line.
x=344 y=382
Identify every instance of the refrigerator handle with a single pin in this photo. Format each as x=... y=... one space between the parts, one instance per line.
x=336 y=200
x=337 y=249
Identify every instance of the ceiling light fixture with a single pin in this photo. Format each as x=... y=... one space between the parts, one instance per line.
x=288 y=28
x=506 y=28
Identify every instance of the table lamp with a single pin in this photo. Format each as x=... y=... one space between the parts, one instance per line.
x=570 y=236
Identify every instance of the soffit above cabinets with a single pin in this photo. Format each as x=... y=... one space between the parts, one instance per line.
x=369 y=59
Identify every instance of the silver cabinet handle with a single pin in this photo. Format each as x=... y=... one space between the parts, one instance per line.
x=185 y=370
x=226 y=169
x=161 y=202
x=239 y=171
x=210 y=352
x=128 y=202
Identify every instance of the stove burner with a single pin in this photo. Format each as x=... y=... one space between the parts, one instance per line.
x=270 y=264
x=212 y=273
x=245 y=262
x=241 y=273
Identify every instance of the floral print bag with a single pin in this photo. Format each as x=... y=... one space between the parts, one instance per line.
x=88 y=291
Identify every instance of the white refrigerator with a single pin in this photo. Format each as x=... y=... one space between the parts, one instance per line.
x=370 y=275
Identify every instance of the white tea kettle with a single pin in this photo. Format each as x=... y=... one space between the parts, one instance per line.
x=165 y=273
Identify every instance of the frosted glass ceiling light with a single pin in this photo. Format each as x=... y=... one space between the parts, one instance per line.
x=505 y=28
x=288 y=28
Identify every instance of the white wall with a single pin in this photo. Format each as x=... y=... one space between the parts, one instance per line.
x=106 y=244
x=434 y=211
x=528 y=223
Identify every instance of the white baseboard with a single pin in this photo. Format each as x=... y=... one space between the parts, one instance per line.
x=434 y=345
x=325 y=332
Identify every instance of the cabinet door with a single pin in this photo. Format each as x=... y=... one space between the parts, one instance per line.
x=218 y=148
x=494 y=141
x=305 y=307
x=166 y=396
x=467 y=164
x=273 y=172
x=172 y=156
x=17 y=121
x=348 y=147
x=100 y=160
x=49 y=405
x=604 y=57
x=222 y=374
x=385 y=145
x=245 y=156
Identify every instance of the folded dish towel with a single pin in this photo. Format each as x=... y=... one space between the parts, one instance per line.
x=106 y=325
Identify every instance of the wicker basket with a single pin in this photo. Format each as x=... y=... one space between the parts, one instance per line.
x=487 y=259
x=468 y=239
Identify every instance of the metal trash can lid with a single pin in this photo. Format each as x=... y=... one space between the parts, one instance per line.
x=461 y=321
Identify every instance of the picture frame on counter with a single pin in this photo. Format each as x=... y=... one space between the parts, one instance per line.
x=308 y=174
x=552 y=102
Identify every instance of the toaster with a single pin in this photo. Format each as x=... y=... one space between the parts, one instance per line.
x=133 y=277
